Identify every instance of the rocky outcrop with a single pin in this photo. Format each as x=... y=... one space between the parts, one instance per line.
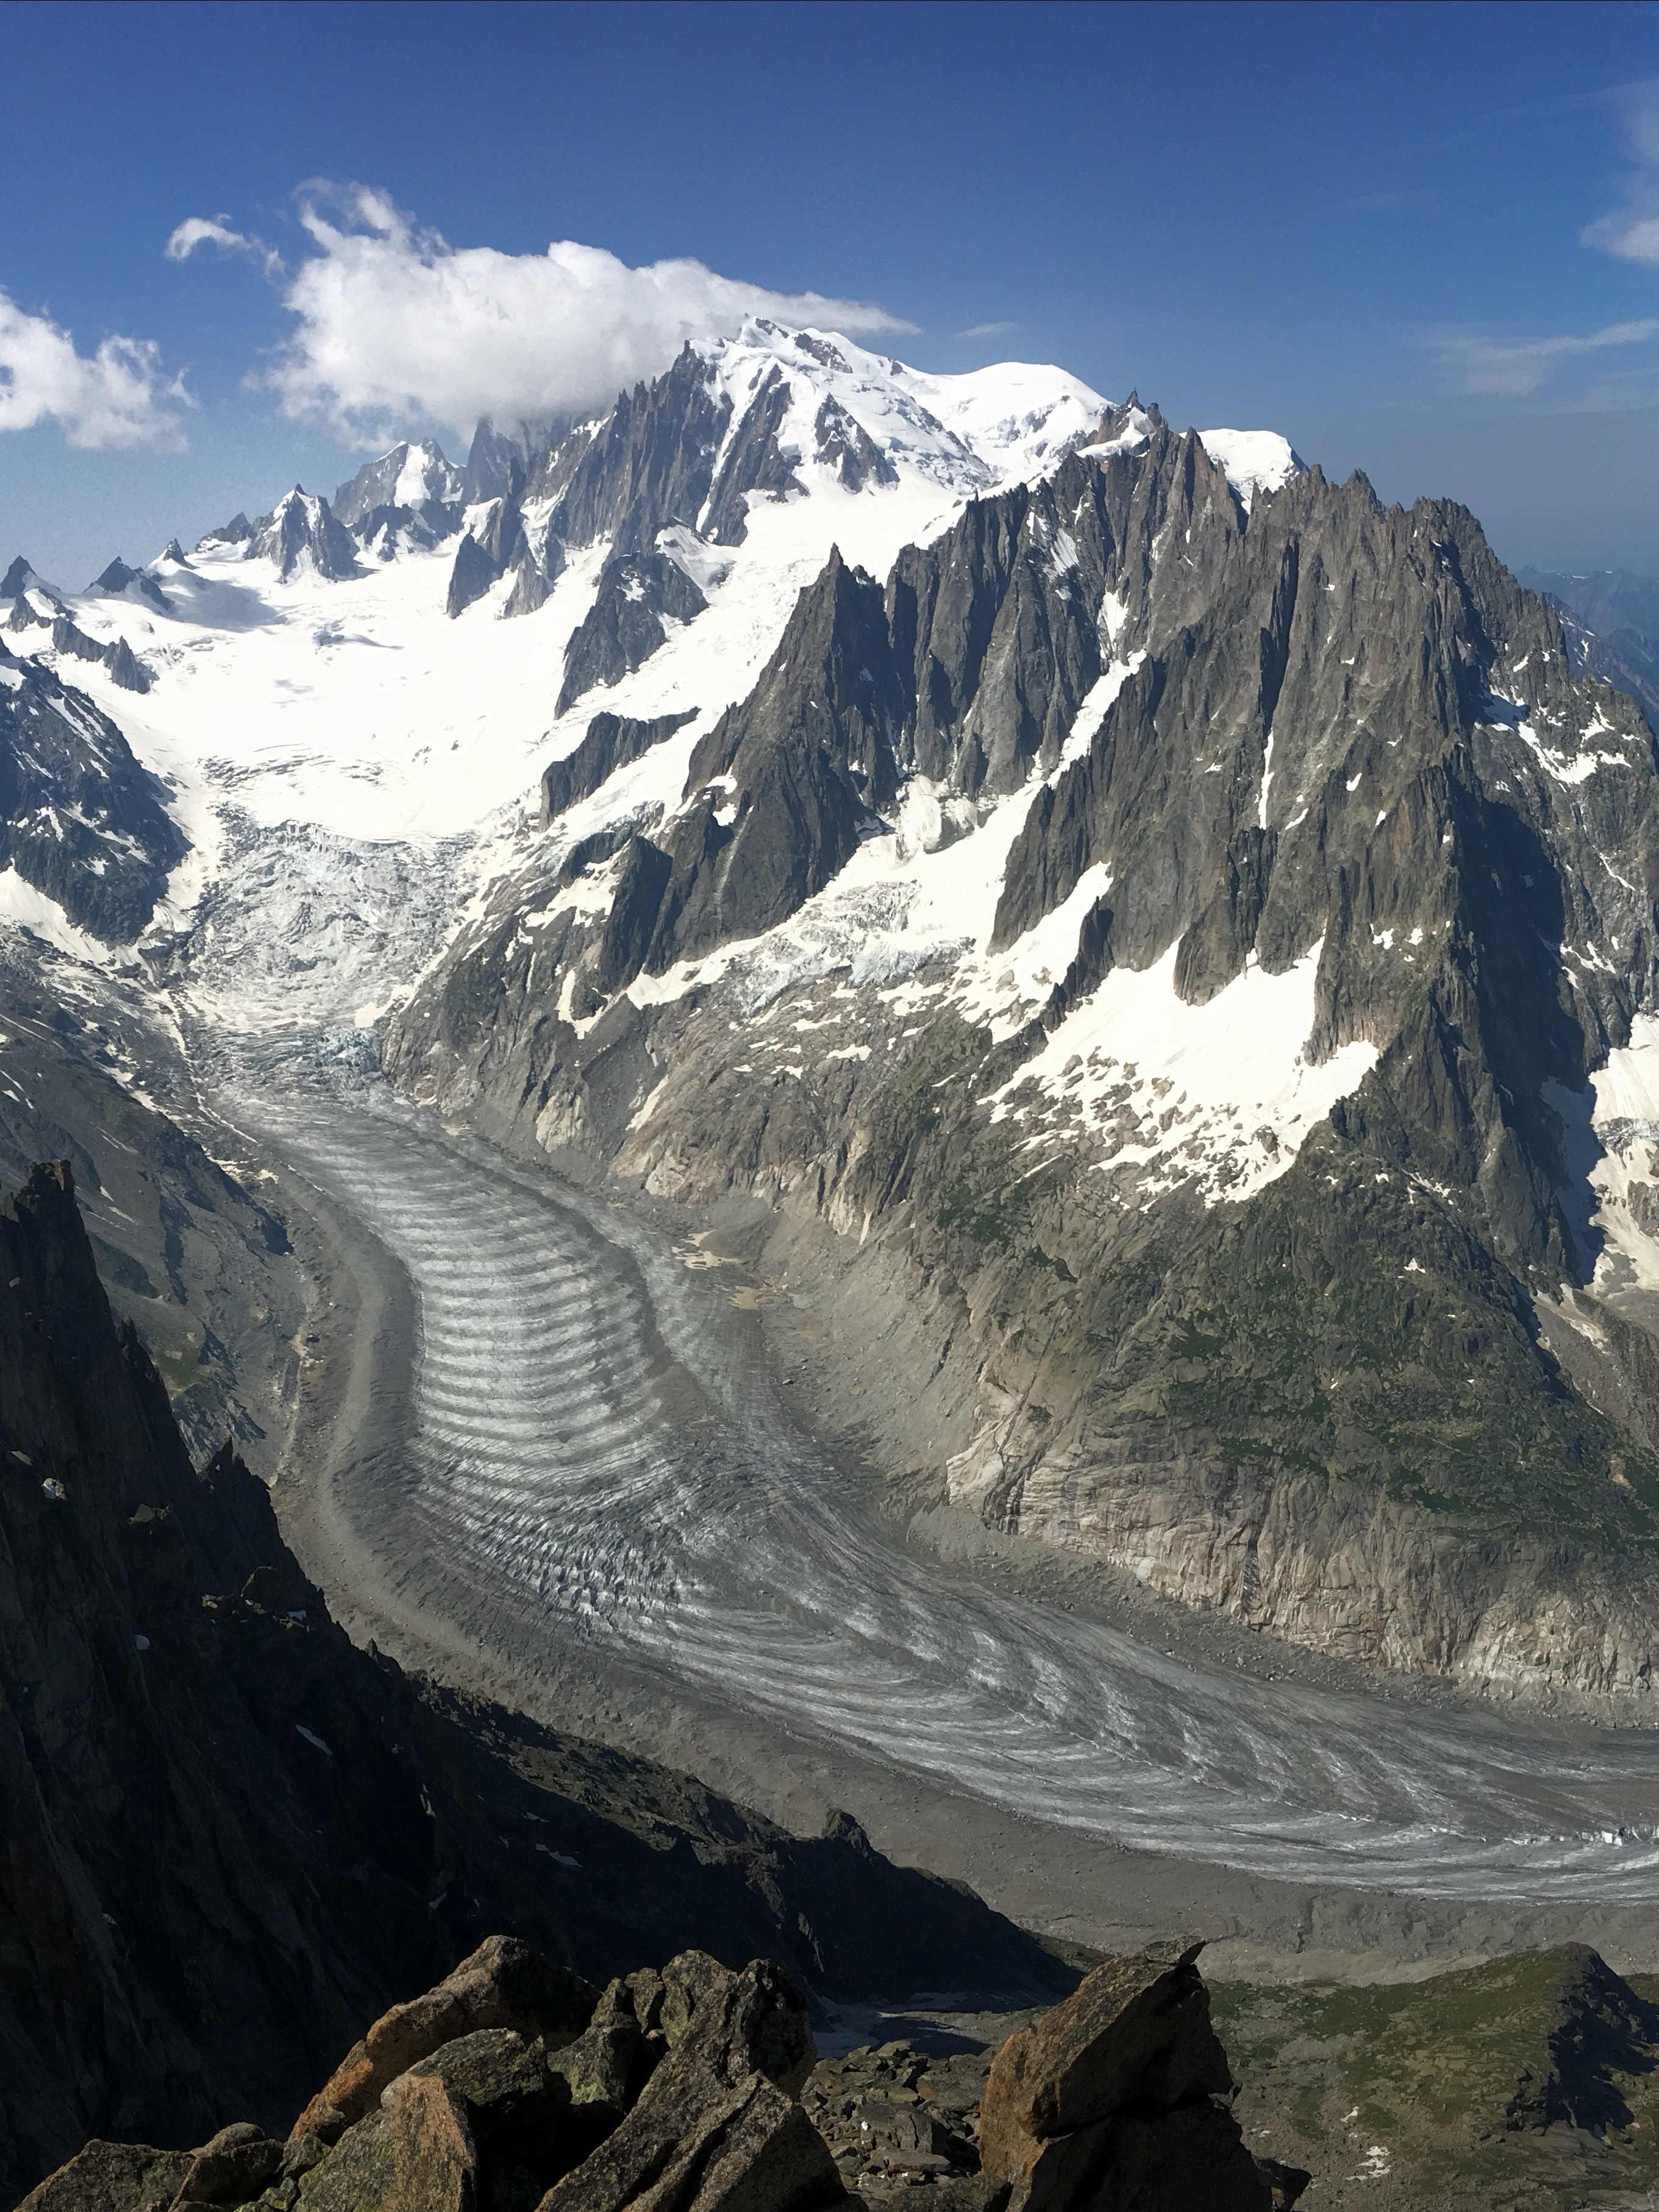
x=1596 y=2029
x=784 y=786
x=79 y=818
x=416 y=479
x=1118 y=2096
x=695 y=2088
x=847 y=448
x=504 y=1985
x=20 y=578
x=611 y=741
x=717 y=2119
x=300 y=535
x=386 y=531
x=236 y=532
x=1610 y=626
x=668 y=452
x=226 y=1835
x=502 y=456
x=121 y=581
x=638 y=593
x=66 y=637
x=495 y=541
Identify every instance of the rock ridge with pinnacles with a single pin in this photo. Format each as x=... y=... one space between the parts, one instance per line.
x=513 y=2084
x=1059 y=719
x=1163 y=942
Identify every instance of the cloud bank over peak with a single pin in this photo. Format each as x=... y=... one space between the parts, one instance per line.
x=393 y=322
x=118 y=396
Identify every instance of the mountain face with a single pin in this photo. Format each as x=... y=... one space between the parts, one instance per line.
x=301 y=532
x=118 y=580
x=411 y=476
x=678 y=465
x=34 y=609
x=1310 y=782
x=1187 y=926
x=80 y=822
x=228 y=1837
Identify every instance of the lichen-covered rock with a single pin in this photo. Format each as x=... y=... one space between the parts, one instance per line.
x=1136 y=2032
x=728 y=2146
x=1113 y=2098
x=718 y=2122
x=415 y=2154
x=232 y=2168
x=692 y=1984
x=505 y=1984
x=112 y=2176
x=610 y=2061
x=501 y=2081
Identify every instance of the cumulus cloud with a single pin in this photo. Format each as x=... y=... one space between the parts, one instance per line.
x=216 y=230
x=1509 y=368
x=393 y=321
x=118 y=396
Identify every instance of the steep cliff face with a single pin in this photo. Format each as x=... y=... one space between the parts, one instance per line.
x=301 y=536
x=80 y=820
x=227 y=1836
x=1203 y=937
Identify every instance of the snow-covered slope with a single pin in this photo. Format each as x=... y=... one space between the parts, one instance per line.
x=408 y=476
x=351 y=768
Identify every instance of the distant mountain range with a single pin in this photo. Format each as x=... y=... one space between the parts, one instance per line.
x=1614 y=626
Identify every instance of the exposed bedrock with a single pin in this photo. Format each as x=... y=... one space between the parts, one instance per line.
x=227 y=1835
x=638 y=593
x=1365 y=1397
x=80 y=818
x=696 y=2088
x=612 y=741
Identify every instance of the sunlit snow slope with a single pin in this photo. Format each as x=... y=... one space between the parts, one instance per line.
x=348 y=764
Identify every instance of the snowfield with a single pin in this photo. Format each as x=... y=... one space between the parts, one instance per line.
x=356 y=771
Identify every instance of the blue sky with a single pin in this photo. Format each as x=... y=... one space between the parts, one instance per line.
x=1420 y=240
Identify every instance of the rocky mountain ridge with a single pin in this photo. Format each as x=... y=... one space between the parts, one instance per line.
x=1610 y=619
x=1316 y=753
x=228 y=1833
x=510 y=2083
x=84 y=823
x=1097 y=868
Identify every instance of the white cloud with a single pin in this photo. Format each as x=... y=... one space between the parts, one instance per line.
x=118 y=396
x=216 y=230
x=1631 y=231
x=1509 y=368
x=985 y=329
x=393 y=321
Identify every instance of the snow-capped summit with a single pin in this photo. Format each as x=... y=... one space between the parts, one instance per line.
x=970 y=433
x=302 y=536
x=410 y=476
x=1256 y=461
x=119 y=581
x=20 y=582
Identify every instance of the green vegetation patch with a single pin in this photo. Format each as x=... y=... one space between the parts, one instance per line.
x=1532 y=2081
